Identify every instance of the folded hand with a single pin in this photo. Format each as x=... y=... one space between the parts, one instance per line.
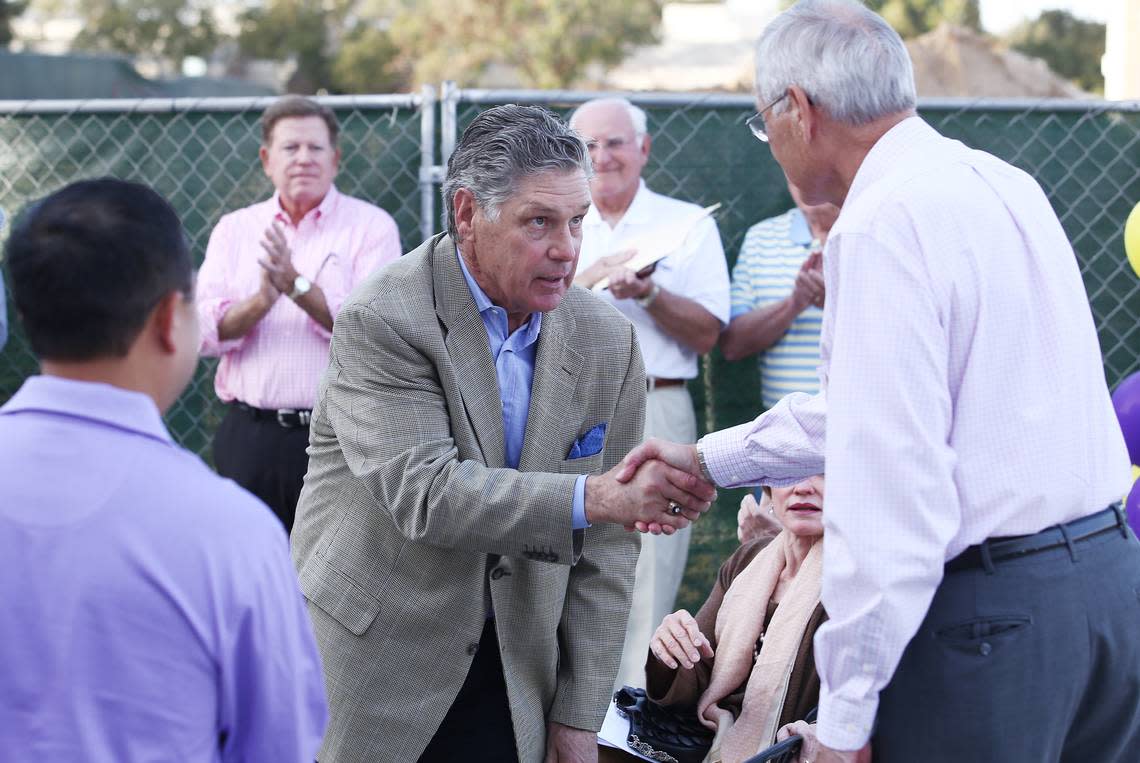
x=678 y=640
x=754 y=520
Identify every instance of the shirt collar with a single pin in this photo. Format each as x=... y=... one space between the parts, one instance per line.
x=484 y=304
x=800 y=231
x=93 y=401
x=884 y=155
x=639 y=211
x=318 y=214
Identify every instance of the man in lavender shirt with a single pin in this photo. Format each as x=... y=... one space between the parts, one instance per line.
x=150 y=610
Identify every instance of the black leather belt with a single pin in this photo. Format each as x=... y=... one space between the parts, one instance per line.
x=1111 y=519
x=289 y=418
x=654 y=382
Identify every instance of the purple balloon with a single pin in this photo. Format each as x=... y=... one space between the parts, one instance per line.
x=1126 y=401
x=1132 y=507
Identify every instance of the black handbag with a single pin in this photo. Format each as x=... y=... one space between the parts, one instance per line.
x=662 y=733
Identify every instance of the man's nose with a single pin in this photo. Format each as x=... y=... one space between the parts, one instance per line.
x=564 y=246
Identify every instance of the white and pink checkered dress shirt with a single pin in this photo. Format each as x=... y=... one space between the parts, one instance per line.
x=965 y=399
x=279 y=363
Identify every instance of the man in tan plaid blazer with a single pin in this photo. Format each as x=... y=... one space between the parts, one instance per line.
x=470 y=600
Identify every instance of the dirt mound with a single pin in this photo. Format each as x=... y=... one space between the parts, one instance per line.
x=954 y=61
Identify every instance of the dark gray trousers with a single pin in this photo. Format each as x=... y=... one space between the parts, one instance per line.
x=1034 y=662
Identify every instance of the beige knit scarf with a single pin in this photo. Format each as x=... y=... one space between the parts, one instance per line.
x=738 y=626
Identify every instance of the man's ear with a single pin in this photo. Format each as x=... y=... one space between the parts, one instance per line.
x=464 y=205
x=263 y=154
x=163 y=323
x=803 y=113
x=646 y=144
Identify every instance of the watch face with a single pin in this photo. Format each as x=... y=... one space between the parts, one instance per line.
x=301 y=287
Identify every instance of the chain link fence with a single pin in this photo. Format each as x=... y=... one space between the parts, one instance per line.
x=202 y=156
x=1085 y=155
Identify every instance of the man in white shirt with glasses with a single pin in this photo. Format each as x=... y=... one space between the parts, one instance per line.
x=981 y=581
x=679 y=306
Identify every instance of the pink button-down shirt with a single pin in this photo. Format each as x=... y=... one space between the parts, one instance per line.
x=965 y=399
x=279 y=363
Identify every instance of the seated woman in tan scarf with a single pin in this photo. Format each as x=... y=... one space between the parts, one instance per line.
x=745 y=663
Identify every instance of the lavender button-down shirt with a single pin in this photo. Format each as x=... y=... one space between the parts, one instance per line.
x=150 y=609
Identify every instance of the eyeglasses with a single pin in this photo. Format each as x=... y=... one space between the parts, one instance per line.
x=615 y=143
x=755 y=122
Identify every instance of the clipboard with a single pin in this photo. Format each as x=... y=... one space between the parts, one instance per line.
x=660 y=242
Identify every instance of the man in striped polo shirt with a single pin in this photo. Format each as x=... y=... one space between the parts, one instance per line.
x=777 y=299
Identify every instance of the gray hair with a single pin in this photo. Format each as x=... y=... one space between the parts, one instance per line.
x=502 y=146
x=846 y=58
x=636 y=114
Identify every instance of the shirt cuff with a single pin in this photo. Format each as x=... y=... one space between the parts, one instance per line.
x=578 y=512
x=844 y=724
x=210 y=314
x=725 y=457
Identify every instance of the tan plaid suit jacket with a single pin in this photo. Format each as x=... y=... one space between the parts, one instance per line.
x=407 y=520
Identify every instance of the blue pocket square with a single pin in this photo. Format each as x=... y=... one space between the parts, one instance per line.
x=590 y=443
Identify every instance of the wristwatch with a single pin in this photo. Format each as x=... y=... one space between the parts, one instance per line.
x=704 y=466
x=301 y=287
x=648 y=299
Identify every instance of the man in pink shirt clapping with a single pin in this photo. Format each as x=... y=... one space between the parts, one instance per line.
x=311 y=244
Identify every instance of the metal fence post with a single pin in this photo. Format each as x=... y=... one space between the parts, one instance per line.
x=427 y=161
x=448 y=120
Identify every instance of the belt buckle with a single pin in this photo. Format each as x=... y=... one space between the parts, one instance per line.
x=304 y=417
x=281 y=414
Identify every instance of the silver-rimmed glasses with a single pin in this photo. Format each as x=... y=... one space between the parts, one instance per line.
x=755 y=122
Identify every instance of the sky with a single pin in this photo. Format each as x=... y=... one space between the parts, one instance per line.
x=999 y=16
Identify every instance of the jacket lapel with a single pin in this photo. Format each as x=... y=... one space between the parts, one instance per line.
x=556 y=369
x=466 y=340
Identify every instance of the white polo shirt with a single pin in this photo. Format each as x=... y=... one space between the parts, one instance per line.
x=697 y=271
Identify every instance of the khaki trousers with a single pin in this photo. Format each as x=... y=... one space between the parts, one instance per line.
x=661 y=565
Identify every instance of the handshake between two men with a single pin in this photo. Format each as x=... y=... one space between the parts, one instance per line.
x=658 y=488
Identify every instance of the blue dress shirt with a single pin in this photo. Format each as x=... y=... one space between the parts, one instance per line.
x=514 y=355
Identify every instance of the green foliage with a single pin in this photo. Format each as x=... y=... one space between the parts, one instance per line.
x=548 y=42
x=367 y=62
x=9 y=10
x=167 y=30
x=1071 y=46
x=910 y=18
x=290 y=29
x=364 y=61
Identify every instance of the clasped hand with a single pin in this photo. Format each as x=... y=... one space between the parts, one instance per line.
x=658 y=488
x=277 y=265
